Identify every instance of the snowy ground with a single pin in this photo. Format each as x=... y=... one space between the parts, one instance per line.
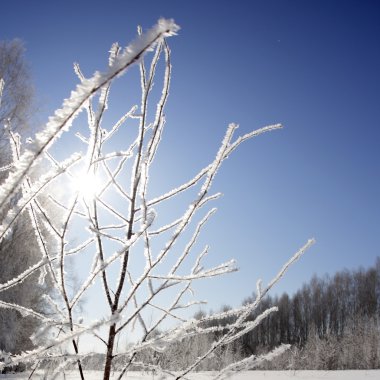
x=252 y=375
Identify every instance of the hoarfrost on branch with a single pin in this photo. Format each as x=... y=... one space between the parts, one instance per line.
x=119 y=234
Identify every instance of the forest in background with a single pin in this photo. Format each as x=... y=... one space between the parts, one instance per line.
x=332 y=323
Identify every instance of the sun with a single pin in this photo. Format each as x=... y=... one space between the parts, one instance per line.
x=87 y=185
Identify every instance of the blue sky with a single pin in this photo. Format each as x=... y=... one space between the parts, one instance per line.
x=310 y=65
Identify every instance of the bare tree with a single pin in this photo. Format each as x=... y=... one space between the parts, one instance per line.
x=106 y=193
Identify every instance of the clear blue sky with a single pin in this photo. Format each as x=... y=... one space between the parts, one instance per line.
x=311 y=65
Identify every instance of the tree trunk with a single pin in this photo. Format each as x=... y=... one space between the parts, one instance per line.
x=78 y=361
x=109 y=357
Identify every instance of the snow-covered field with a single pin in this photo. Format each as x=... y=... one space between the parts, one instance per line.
x=248 y=375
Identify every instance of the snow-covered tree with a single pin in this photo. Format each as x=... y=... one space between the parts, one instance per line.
x=18 y=95
x=19 y=249
x=145 y=259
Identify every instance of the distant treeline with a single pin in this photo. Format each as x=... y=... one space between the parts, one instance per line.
x=324 y=307
x=331 y=323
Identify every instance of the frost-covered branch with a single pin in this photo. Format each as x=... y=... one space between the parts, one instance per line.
x=63 y=117
x=251 y=362
x=97 y=208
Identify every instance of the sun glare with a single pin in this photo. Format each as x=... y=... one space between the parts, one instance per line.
x=87 y=186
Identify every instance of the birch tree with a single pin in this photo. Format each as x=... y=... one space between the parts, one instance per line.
x=105 y=193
